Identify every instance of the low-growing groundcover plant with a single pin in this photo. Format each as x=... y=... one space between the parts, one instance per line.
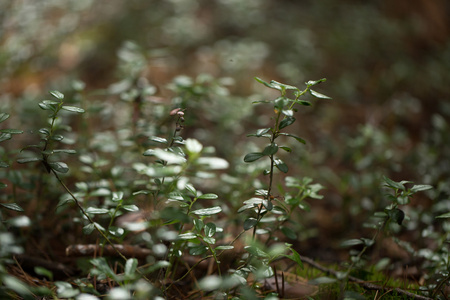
x=147 y=223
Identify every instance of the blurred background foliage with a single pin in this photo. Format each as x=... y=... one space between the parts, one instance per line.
x=387 y=65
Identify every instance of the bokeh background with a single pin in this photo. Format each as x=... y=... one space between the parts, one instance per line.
x=387 y=65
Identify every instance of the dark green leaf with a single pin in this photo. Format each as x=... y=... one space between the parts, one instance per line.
x=270 y=150
x=397 y=215
x=3 y=185
x=3 y=164
x=250 y=223
x=12 y=206
x=253 y=156
x=289 y=233
x=286 y=122
x=281 y=165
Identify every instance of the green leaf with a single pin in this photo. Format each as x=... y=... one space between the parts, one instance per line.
x=208 y=196
x=28 y=160
x=117 y=196
x=68 y=151
x=198 y=250
x=250 y=223
x=12 y=206
x=44 y=272
x=253 y=156
x=352 y=242
x=281 y=165
x=57 y=95
x=130 y=207
x=224 y=247
x=322 y=280
x=5 y=136
x=65 y=290
x=88 y=229
x=271 y=149
x=97 y=211
x=59 y=167
x=187 y=236
x=3 y=185
x=397 y=215
x=295 y=257
x=73 y=109
x=285 y=86
x=421 y=187
x=287 y=149
x=209 y=240
x=289 y=233
x=299 y=139
x=11 y=131
x=210 y=229
x=269 y=85
x=444 y=216
x=158 y=139
x=314 y=82
x=261 y=132
x=207 y=211
x=256 y=251
x=169 y=157
x=3 y=117
x=286 y=122
x=319 y=95
x=3 y=164
x=198 y=223
x=392 y=184
x=130 y=266
x=193 y=146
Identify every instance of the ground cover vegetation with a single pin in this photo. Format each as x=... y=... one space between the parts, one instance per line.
x=191 y=150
